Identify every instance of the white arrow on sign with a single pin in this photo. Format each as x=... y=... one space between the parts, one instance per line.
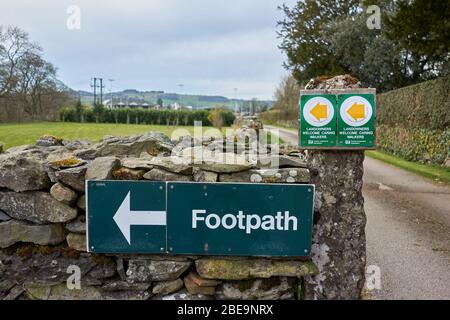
x=125 y=218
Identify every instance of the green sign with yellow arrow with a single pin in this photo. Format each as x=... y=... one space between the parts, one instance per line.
x=318 y=120
x=337 y=119
x=356 y=121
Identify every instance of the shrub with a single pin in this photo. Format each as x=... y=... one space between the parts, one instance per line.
x=415 y=144
x=145 y=116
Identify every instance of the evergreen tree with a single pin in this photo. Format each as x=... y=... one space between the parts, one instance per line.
x=422 y=28
x=307 y=52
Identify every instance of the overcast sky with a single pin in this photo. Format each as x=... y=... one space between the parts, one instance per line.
x=210 y=46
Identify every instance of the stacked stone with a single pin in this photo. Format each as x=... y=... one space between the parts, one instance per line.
x=43 y=233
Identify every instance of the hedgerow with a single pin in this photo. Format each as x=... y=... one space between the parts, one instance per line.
x=414 y=122
x=143 y=116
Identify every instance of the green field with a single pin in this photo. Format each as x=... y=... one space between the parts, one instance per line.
x=19 y=134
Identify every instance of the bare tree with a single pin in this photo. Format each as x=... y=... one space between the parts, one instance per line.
x=14 y=47
x=36 y=78
x=29 y=88
x=286 y=98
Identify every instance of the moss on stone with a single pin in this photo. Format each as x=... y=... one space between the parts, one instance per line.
x=38 y=293
x=100 y=259
x=64 y=163
x=270 y=180
x=119 y=173
x=226 y=269
x=70 y=253
x=244 y=285
x=267 y=284
x=128 y=174
x=299 y=289
x=45 y=249
x=25 y=251
x=51 y=137
x=61 y=292
x=153 y=151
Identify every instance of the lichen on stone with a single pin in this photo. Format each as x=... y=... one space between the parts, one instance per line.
x=66 y=163
x=128 y=174
x=70 y=253
x=27 y=250
x=51 y=137
x=270 y=180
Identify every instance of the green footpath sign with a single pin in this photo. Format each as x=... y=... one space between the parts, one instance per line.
x=318 y=120
x=356 y=120
x=337 y=119
x=199 y=218
x=126 y=217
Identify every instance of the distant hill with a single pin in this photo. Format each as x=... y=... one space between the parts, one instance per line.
x=151 y=97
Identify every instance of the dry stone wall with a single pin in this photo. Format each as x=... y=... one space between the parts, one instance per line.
x=43 y=230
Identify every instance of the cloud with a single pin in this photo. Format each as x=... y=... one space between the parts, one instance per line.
x=211 y=46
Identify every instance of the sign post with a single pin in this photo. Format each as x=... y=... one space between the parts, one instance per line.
x=337 y=119
x=199 y=218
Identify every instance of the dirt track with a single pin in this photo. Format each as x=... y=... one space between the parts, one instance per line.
x=408 y=230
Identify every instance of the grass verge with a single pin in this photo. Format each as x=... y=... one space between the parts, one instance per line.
x=434 y=172
x=273 y=138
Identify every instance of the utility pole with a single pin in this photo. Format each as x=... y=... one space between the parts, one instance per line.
x=101 y=90
x=110 y=90
x=95 y=90
x=95 y=86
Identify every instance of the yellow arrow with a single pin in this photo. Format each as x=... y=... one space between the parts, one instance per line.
x=357 y=111
x=320 y=111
